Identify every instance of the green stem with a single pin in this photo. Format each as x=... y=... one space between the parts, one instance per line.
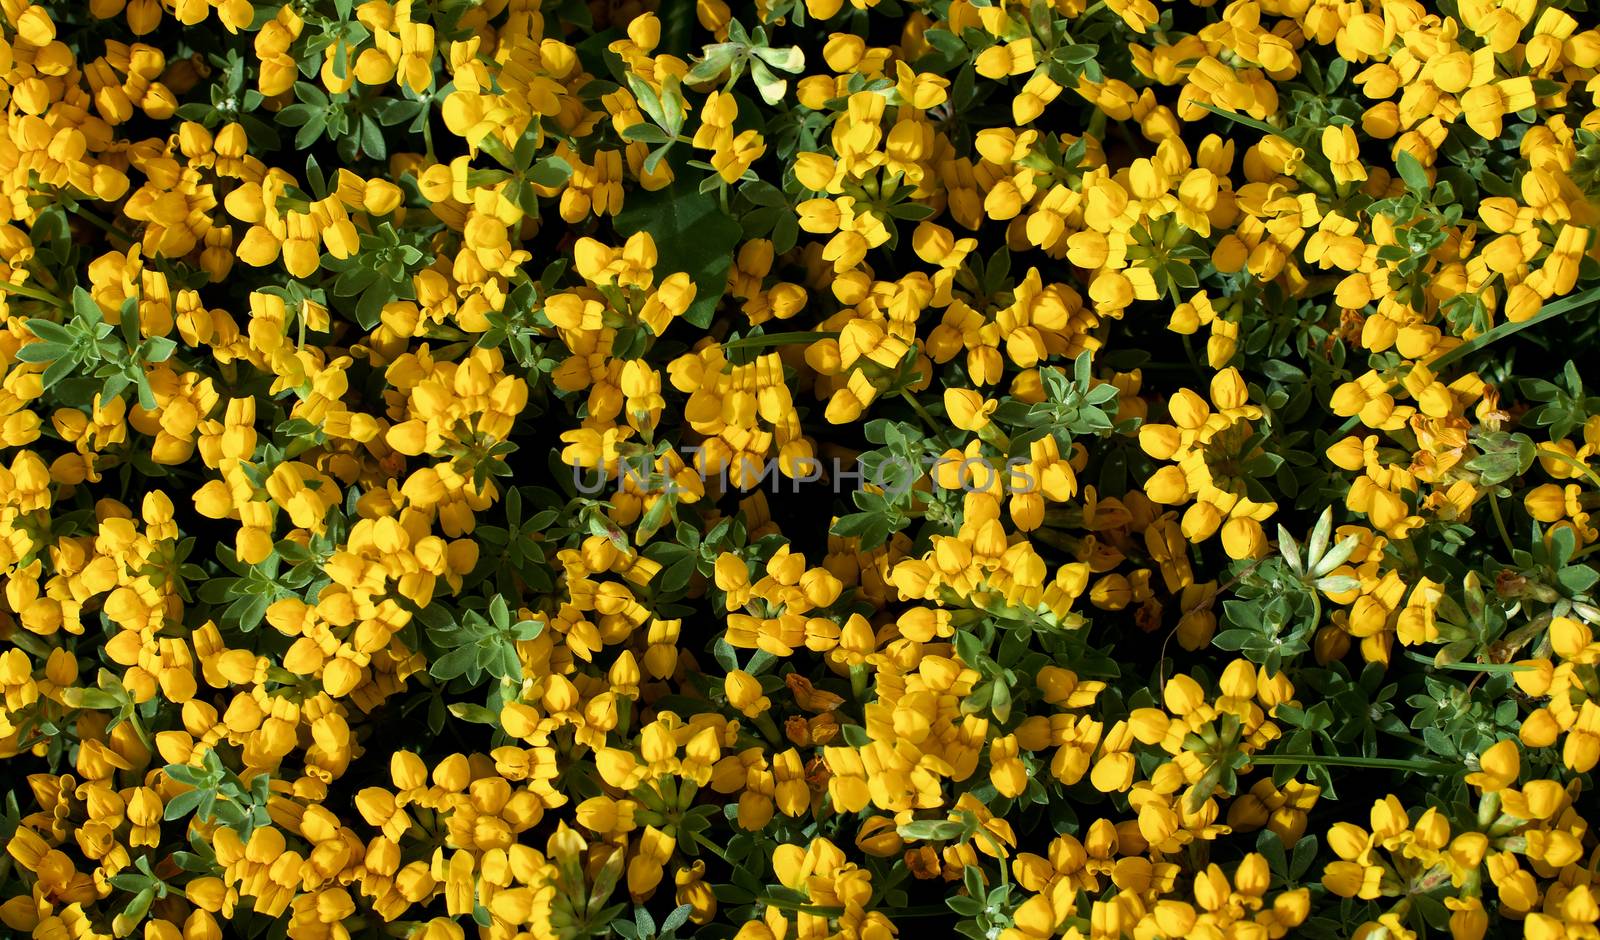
x=922 y=412
x=1194 y=357
x=707 y=844
x=624 y=719
x=1500 y=521
x=925 y=910
x=785 y=905
x=1000 y=855
x=102 y=224
x=1407 y=737
x=138 y=727
x=1467 y=667
x=859 y=681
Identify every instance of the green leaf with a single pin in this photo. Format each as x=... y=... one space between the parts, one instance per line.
x=159 y=349
x=552 y=171
x=83 y=306
x=183 y=773
x=649 y=101
x=295 y=115
x=130 y=883
x=1413 y=173
x=718 y=57
x=1578 y=578
x=1246 y=120
x=676 y=919
x=1077 y=55
x=50 y=332
x=656 y=156
x=648 y=133
x=673 y=107
x=790 y=60
x=124 y=924
x=182 y=805
x=771 y=87
x=92 y=699
x=476 y=714
x=457 y=662
x=931 y=829
x=45 y=352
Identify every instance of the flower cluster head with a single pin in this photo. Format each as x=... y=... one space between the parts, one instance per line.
x=1211 y=446
x=802 y=470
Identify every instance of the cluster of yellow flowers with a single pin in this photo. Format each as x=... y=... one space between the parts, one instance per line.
x=550 y=469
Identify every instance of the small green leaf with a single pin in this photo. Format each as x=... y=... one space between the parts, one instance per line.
x=931 y=829
x=1412 y=172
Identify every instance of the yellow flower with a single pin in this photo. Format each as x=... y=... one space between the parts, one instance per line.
x=1343 y=152
x=968 y=410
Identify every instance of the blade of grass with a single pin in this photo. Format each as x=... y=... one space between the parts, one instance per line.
x=1468 y=667
x=1373 y=763
x=778 y=339
x=1494 y=335
x=1247 y=121
x=1485 y=339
